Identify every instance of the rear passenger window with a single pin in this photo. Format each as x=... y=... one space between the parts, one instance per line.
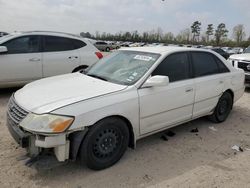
x=204 y=64
x=175 y=66
x=78 y=43
x=55 y=44
x=222 y=66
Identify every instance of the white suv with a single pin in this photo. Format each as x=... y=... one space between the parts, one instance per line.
x=29 y=56
x=242 y=61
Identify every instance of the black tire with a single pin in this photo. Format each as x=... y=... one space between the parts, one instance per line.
x=107 y=49
x=105 y=143
x=222 y=109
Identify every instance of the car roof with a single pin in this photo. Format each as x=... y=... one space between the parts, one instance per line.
x=163 y=49
x=53 y=33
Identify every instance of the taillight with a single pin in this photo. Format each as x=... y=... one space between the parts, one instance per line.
x=99 y=55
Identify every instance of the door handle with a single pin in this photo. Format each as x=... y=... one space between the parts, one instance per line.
x=34 y=59
x=189 y=89
x=71 y=57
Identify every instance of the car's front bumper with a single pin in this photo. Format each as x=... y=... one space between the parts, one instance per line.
x=247 y=79
x=35 y=144
x=21 y=137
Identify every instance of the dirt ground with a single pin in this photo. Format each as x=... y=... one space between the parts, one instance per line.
x=202 y=159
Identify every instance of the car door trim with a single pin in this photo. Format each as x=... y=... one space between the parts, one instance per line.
x=144 y=117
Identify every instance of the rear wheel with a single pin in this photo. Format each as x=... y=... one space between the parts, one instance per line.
x=107 y=49
x=80 y=69
x=105 y=143
x=223 y=108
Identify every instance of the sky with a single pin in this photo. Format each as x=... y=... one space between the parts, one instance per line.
x=75 y=16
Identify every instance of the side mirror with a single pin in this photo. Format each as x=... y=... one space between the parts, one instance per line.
x=3 y=49
x=156 y=81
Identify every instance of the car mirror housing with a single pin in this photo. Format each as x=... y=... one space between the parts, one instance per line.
x=156 y=81
x=3 y=49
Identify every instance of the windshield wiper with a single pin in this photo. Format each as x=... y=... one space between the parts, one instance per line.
x=96 y=76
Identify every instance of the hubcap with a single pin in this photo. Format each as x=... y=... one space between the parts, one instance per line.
x=106 y=143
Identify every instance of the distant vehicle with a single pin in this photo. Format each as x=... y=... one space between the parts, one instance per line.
x=115 y=45
x=208 y=47
x=103 y=46
x=126 y=44
x=242 y=61
x=28 y=56
x=126 y=96
x=221 y=52
x=238 y=50
x=247 y=50
x=3 y=34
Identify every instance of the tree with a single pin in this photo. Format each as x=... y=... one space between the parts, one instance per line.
x=185 y=35
x=159 y=34
x=210 y=31
x=196 y=29
x=220 y=33
x=239 y=33
x=86 y=35
x=97 y=35
x=168 y=37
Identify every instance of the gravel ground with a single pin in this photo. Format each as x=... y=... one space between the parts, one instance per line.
x=202 y=159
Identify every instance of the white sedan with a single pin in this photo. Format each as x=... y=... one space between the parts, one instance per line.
x=130 y=94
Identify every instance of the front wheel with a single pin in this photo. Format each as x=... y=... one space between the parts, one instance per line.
x=105 y=143
x=223 y=108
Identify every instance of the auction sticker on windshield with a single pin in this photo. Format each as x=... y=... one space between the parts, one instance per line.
x=143 y=58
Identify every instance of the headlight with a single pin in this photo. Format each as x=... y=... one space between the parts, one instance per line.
x=46 y=123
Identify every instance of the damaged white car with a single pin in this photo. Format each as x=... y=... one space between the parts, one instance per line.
x=126 y=96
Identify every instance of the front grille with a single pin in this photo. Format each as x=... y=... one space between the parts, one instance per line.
x=245 y=66
x=15 y=113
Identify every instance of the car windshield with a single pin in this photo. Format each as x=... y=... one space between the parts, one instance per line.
x=123 y=67
x=247 y=50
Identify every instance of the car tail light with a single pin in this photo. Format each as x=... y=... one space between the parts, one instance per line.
x=99 y=55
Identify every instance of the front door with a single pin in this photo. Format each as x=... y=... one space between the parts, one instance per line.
x=161 y=107
x=22 y=62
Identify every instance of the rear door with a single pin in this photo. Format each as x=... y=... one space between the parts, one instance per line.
x=209 y=75
x=60 y=55
x=23 y=61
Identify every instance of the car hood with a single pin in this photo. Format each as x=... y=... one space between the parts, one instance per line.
x=245 y=56
x=48 y=94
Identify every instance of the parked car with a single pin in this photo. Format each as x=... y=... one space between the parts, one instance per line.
x=103 y=46
x=128 y=95
x=3 y=34
x=247 y=50
x=238 y=50
x=221 y=52
x=28 y=56
x=115 y=45
x=242 y=61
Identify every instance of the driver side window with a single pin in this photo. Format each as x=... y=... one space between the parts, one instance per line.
x=175 y=66
x=26 y=44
